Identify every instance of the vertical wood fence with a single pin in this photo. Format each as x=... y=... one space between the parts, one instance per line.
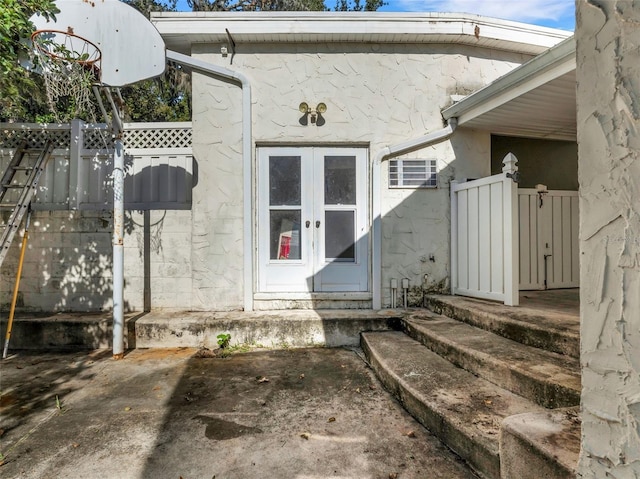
x=484 y=236
x=549 y=247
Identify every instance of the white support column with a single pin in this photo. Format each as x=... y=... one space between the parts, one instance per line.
x=511 y=224
x=454 y=236
x=118 y=248
x=75 y=159
x=376 y=234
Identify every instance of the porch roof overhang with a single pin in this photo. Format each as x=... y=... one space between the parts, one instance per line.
x=180 y=30
x=535 y=100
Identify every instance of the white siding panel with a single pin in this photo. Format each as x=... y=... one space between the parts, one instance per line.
x=557 y=250
x=497 y=248
x=534 y=240
x=525 y=240
x=479 y=247
x=552 y=229
x=474 y=242
x=566 y=239
x=484 y=237
x=575 y=241
x=463 y=243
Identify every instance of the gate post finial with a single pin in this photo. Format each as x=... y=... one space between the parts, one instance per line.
x=509 y=163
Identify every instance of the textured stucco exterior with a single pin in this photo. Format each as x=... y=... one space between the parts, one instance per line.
x=608 y=62
x=376 y=95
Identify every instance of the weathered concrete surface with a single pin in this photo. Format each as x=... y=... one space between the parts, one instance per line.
x=65 y=331
x=296 y=328
x=549 y=379
x=536 y=445
x=163 y=413
x=545 y=319
x=465 y=411
x=162 y=329
x=608 y=117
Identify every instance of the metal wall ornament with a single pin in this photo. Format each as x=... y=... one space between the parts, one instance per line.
x=312 y=115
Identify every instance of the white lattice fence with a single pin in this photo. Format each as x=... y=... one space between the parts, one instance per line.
x=159 y=164
x=157 y=135
x=12 y=135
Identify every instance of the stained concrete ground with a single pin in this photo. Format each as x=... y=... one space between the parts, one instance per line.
x=306 y=413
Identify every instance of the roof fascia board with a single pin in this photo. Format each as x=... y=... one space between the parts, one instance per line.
x=376 y=24
x=542 y=69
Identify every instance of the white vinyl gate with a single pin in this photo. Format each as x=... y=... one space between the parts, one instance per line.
x=484 y=236
x=549 y=248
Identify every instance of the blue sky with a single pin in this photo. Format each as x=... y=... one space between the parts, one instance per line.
x=548 y=13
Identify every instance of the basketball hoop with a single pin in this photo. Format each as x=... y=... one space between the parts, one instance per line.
x=70 y=65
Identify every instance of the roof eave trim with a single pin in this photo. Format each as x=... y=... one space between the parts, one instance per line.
x=547 y=66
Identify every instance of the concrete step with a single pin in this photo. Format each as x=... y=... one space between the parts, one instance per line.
x=169 y=329
x=61 y=331
x=535 y=445
x=549 y=379
x=551 y=330
x=463 y=410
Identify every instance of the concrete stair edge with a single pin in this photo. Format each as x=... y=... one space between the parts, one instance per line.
x=550 y=339
x=544 y=389
x=481 y=453
x=331 y=328
x=535 y=445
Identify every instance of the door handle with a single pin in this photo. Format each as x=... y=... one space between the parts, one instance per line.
x=307 y=223
x=318 y=224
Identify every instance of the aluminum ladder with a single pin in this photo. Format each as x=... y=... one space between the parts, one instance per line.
x=18 y=187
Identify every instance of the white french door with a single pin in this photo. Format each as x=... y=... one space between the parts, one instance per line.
x=312 y=219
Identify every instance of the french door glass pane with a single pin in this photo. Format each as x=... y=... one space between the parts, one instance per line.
x=339 y=180
x=284 y=180
x=339 y=244
x=284 y=228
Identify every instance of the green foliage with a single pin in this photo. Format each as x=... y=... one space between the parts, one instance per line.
x=358 y=6
x=283 y=5
x=156 y=100
x=223 y=340
x=255 y=5
x=20 y=91
x=168 y=98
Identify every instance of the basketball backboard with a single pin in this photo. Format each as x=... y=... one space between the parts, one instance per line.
x=130 y=46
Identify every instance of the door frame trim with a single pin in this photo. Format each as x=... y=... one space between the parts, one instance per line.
x=255 y=257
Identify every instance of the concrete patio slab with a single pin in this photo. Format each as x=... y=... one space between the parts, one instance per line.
x=301 y=414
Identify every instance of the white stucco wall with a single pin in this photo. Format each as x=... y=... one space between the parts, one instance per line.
x=608 y=62
x=377 y=95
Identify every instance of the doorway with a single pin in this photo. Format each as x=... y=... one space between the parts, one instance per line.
x=312 y=219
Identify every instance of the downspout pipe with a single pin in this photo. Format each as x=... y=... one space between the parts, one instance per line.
x=222 y=73
x=383 y=155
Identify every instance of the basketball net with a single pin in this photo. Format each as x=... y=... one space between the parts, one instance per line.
x=70 y=66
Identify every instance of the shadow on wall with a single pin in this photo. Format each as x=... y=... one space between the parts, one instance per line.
x=416 y=232
x=68 y=263
x=415 y=244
